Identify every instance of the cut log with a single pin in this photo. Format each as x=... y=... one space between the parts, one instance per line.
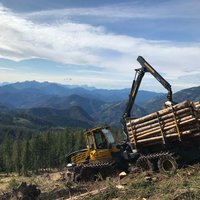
x=165 y=111
x=166 y=126
x=173 y=135
x=174 y=123
x=154 y=123
x=154 y=119
x=163 y=124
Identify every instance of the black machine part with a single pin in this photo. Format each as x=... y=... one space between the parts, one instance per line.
x=146 y=67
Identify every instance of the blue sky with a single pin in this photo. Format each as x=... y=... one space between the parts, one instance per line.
x=96 y=43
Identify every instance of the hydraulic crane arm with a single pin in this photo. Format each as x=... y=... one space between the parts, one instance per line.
x=146 y=67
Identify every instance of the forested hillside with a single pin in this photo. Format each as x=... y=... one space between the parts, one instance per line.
x=39 y=151
x=30 y=151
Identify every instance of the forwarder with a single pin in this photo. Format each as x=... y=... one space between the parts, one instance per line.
x=159 y=141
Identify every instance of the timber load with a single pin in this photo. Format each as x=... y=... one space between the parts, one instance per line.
x=175 y=123
x=197 y=106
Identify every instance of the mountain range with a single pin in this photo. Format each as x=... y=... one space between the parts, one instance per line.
x=192 y=94
x=30 y=94
x=35 y=104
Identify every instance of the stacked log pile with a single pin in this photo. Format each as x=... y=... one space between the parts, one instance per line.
x=197 y=106
x=172 y=123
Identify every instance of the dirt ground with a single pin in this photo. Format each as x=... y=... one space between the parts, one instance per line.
x=139 y=186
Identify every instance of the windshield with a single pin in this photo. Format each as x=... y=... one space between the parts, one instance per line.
x=90 y=141
x=108 y=136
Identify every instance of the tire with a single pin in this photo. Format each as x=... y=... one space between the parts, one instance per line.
x=167 y=164
x=77 y=178
x=144 y=164
x=87 y=174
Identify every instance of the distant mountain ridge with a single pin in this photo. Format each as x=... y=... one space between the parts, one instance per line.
x=88 y=104
x=192 y=94
x=33 y=92
x=34 y=104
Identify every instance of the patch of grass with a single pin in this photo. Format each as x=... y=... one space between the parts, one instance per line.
x=13 y=183
x=141 y=189
x=110 y=193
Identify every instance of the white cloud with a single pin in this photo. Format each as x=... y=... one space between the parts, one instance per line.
x=6 y=69
x=84 y=44
x=131 y=10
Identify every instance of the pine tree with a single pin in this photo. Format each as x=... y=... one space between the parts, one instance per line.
x=80 y=141
x=16 y=156
x=48 y=150
x=43 y=148
x=1 y=158
x=26 y=157
x=59 y=149
x=7 y=152
x=35 y=153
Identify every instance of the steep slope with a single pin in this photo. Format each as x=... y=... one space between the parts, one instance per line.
x=90 y=105
x=192 y=94
x=9 y=117
x=75 y=116
x=112 y=113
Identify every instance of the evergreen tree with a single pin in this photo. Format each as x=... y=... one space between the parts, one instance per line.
x=61 y=149
x=16 y=156
x=39 y=151
x=26 y=157
x=43 y=149
x=48 y=153
x=1 y=159
x=35 y=153
x=80 y=141
x=7 y=152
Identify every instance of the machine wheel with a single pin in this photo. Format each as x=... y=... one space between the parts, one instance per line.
x=87 y=174
x=144 y=164
x=105 y=172
x=77 y=177
x=167 y=164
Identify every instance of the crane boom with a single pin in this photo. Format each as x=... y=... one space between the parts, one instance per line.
x=146 y=67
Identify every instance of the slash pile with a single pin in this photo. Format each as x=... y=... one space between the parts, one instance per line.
x=173 y=123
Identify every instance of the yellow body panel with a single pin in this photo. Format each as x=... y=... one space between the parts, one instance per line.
x=100 y=155
x=98 y=148
x=80 y=157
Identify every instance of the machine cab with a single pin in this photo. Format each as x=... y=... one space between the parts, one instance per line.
x=100 y=144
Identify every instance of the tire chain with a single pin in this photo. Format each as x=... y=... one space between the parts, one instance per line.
x=94 y=166
x=156 y=156
x=153 y=158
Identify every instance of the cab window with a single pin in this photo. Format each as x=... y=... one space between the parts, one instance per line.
x=100 y=140
x=90 y=141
